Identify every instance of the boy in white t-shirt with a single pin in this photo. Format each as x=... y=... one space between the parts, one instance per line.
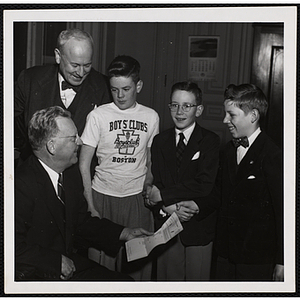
x=121 y=133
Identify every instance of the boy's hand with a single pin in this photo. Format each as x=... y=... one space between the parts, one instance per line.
x=153 y=197
x=169 y=209
x=146 y=192
x=185 y=210
x=131 y=233
x=190 y=204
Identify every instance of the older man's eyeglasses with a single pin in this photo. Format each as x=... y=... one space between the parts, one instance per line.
x=185 y=107
x=73 y=138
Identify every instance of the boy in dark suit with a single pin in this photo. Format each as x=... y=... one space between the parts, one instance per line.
x=249 y=239
x=184 y=167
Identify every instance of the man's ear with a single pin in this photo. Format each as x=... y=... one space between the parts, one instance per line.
x=199 y=111
x=50 y=146
x=57 y=56
x=139 y=86
x=254 y=115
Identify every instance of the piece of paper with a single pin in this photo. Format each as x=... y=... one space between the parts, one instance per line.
x=141 y=247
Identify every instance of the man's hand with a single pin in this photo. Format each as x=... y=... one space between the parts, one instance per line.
x=67 y=268
x=131 y=233
x=278 y=274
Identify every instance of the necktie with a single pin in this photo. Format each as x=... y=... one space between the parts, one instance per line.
x=65 y=85
x=243 y=141
x=60 y=189
x=180 y=149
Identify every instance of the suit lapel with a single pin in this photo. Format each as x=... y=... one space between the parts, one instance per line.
x=250 y=159
x=169 y=153
x=191 y=148
x=231 y=161
x=46 y=187
x=82 y=104
x=49 y=87
x=69 y=196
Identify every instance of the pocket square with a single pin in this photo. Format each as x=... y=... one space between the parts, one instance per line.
x=251 y=177
x=196 y=155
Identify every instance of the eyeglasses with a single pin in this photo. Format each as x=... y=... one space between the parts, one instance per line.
x=74 y=138
x=185 y=107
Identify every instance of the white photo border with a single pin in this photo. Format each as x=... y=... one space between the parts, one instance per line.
x=272 y=14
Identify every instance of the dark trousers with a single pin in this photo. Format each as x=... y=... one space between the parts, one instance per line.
x=99 y=273
x=227 y=271
x=86 y=270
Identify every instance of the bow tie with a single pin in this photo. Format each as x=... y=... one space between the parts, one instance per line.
x=243 y=141
x=65 y=85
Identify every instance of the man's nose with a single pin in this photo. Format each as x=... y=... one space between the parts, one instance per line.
x=80 y=71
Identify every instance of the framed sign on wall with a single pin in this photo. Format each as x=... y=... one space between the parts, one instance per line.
x=203 y=54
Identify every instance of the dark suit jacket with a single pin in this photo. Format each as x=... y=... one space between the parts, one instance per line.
x=194 y=181
x=42 y=235
x=38 y=88
x=250 y=221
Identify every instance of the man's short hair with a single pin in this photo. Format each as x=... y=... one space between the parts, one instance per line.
x=190 y=87
x=43 y=126
x=75 y=33
x=247 y=97
x=124 y=65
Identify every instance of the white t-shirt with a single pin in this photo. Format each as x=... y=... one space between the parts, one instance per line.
x=121 y=138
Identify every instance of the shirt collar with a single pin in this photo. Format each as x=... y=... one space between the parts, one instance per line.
x=60 y=80
x=187 y=132
x=52 y=174
x=253 y=136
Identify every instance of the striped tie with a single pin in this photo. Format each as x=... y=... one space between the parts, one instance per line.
x=60 y=189
x=179 y=150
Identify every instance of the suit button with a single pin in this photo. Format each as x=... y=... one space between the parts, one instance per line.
x=231 y=223
x=231 y=202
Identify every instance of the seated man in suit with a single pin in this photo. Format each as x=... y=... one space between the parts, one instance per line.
x=184 y=167
x=71 y=83
x=51 y=214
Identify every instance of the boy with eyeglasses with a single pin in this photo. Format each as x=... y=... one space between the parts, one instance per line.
x=184 y=171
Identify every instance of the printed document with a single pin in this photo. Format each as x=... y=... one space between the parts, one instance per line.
x=141 y=247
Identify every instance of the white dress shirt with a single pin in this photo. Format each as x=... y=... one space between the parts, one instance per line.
x=241 y=151
x=187 y=134
x=52 y=174
x=67 y=96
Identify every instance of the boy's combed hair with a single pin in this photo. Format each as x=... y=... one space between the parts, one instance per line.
x=247 y=97
x=43 y=126
x=75 y=33
x=124 y=65
x=188 y=86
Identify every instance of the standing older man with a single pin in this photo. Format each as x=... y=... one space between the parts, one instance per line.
x=51 y=213
x=71 y=83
